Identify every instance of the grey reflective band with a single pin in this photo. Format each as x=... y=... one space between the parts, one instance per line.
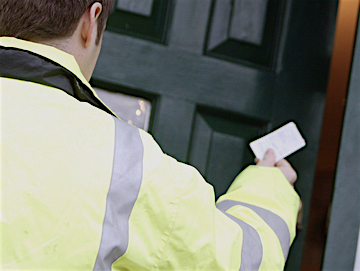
x=276 y=223
x=251 y=251
x=123 y=192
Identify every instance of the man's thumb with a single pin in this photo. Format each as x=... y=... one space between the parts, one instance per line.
x=269 y=159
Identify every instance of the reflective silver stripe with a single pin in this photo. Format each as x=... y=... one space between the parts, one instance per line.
x=123 y=192
x=251 y=251
x=276 y=223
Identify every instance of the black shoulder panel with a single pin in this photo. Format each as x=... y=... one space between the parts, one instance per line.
x=24 y=65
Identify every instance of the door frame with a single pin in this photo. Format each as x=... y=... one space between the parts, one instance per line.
x=336 y=95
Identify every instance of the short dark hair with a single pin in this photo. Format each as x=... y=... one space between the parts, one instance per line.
x=41 y=20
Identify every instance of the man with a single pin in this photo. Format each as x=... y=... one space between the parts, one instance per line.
x=83 y=190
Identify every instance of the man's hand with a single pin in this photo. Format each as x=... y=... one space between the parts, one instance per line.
x=283 y=165
x=287 y=170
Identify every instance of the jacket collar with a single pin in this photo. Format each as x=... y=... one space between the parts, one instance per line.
x=46 y=65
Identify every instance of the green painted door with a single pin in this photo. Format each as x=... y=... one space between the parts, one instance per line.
x=221 y=73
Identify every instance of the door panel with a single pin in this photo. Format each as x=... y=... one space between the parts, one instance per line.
x=189 y=15
x=219 y=147
x=221 y=73
x=147 y=19
x=246 y=31
x=173 y=125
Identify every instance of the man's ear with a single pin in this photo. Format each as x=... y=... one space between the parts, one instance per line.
x=89 y=26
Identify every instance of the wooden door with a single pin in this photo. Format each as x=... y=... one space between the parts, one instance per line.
x=219 y=73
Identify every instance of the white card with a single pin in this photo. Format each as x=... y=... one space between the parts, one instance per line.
x=284 y=141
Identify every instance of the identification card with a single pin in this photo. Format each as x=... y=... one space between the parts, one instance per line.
x=284 y=141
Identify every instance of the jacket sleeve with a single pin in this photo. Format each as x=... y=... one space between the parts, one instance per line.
x=176 y=225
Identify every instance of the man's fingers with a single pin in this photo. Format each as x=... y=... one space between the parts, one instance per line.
x=269 y=159
x=282 y=163
x=287 y=170
x=285 y=167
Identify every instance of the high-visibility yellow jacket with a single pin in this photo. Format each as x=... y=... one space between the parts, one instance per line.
x=83 y=190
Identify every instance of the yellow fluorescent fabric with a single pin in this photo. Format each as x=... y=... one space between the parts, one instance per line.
x=45 y=147
x=188 y=232
x=267 y=188
x=57 y=159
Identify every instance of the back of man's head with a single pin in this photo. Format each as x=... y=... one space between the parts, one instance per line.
x=44 y=20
